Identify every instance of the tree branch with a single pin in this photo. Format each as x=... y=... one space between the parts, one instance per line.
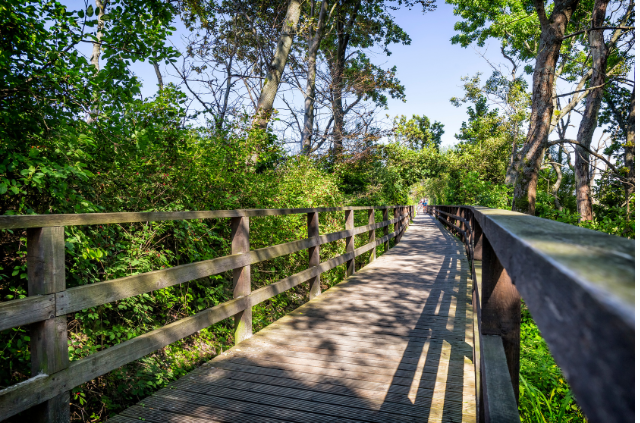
x=607 y=162
x=599 y=28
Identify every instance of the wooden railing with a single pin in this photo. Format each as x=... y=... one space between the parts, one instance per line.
x=579 y=287
x=46 y=393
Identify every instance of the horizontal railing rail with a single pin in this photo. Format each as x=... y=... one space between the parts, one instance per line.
x=46 y=393
x=579 y=286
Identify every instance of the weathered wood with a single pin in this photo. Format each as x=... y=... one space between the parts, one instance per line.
x=478 y=237
x=42 y=388
x=26 y=310
x=477 y=315
x=579 y=286
x=501 y=311
x=500 y=404
x=48 y=346
x=396 y=215
x=350 y=241
x=313 y=231
x=385 y=218
x=331 y=372
x=86 y=296
x=243 y=328
x=52 y=389
x=372 y=234
x=47 y=220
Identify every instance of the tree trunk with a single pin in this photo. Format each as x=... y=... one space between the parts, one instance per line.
x=276 y=68
x=337 y=76
x=591 y=109
x=310 y=93
x=630 y=149
x=156 y=67
x=95 y=55
x=530 y=157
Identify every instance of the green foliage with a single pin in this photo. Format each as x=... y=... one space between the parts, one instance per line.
x=418 y=132
x=545 y=396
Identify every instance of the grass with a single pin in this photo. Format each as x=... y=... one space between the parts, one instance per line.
x=545 y=396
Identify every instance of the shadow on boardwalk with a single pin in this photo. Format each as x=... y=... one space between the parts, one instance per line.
x=393 y=343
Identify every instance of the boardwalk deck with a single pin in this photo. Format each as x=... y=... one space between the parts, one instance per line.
x=393 y=343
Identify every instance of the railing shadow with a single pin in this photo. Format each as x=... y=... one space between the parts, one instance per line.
x=387 y=345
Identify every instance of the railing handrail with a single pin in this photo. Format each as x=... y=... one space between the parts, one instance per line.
x=579 y=286
x=46 y=220
x=49 y=301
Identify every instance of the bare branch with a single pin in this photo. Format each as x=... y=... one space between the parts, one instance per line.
x=599 y=28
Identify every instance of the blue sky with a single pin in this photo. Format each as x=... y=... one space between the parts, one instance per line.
x=431 y=67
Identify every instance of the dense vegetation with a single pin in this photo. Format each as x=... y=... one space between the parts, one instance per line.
x=77 y=136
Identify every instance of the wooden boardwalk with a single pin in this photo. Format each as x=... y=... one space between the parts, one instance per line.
x=393 y=343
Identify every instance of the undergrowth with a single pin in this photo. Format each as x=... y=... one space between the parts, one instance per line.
x=545 y=396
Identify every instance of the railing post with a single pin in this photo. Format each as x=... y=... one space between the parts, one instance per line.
x=313 y=231
x=478 y=238
x=348 y=224
x=241 y=277
x=500 y=310
x=396 y=226
x=372 y=234
x=49 y=346
x=385 y=217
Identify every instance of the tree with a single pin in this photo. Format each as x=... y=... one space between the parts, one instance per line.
x=276 y=68
x=418 y=132
x=310 y=92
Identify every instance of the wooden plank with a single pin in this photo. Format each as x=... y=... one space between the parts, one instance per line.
x=454 y=383
x=260 y=397
x=266 y=355
x=374 y=393
x=48 y=345
x=385 y=217
x=500 y=311
x=183 y=413
x=500 y=404
x=355 y=403
x=313 y=231
x=350 y=242
x=26 y=310
x=47 y=220
x=243 y=326
x=44 y=387
x=396 y=215
x=477 y=314
x=206 y=405
x=372 y=234
x=92 y=295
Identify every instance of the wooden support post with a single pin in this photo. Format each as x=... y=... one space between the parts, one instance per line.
x=500 y=310
x=396 y=226
x=372 y=234
x=348 y=224
x=477 y=239
x=49 y=346
x=241 y=277
x=313 y=231
x=385 y=217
